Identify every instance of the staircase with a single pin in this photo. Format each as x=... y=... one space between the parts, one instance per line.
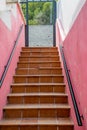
x=37 y=100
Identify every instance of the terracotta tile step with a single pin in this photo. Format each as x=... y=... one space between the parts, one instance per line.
x=54 y=68
x=38 y=87
x=40 y=53
x=37 y=123
x=38 y=79
x=35 y=64
x=39 y=58
x=40 y=62
x=38 y=94
x=39 y=70
x=36 y=110
x=45 y=68
x=37 y=106
x=28 y=98
x=39 y=49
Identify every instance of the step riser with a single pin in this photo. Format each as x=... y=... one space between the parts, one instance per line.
x=40 y=49
x=38 y=53
x=37 y=99
x=33 y=89
x=44 y=79
x=36 y=65
x=38 y=71
x=38 y=59
x=37 y=127
x=35 y=113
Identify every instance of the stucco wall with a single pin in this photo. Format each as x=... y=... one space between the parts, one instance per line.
x=75 y=50
x=7 y=39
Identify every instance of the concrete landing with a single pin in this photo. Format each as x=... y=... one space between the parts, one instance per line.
x=41 y=35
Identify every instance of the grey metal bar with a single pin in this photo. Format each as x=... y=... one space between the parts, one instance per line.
x=54 y=21
x=78 y=117
x=27 y=26
x=37 y=1
x=10 y=57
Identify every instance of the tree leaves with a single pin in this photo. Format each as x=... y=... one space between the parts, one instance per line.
x=39 y=12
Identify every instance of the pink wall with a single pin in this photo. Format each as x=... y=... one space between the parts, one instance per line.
x=75 y=50
x=7 y=38
x=72 y=113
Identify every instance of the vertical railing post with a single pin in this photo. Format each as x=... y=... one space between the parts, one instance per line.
x=27 y=26
x=54 y=21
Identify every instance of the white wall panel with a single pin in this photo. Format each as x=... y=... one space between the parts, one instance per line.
x=2 y=5
x=13 y=9
x=68 y=12
x=5 y=12
x=6 y=18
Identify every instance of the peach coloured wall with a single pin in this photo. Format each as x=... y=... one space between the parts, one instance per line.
x=7 y=38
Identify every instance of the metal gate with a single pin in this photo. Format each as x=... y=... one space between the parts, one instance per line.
x=26 y=2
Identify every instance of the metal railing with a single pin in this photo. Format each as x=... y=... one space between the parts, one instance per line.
x=78 y=117
x=24 y=1
x=10 y=57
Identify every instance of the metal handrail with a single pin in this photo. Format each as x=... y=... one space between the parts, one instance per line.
x=10 y=57
x=78 y=117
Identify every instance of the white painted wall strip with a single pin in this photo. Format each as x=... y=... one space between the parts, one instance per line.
x=2 y=5
x=69 y=10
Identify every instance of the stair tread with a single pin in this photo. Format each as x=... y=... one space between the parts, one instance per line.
x=40 y=47
x=38 y=51
x=41 y=68
x=39 y=75
x=37 y=47
x=40 y=56
x=37 y=106
x=37 y=94
x=37 y=121
x=39 y=62
x=39 y=84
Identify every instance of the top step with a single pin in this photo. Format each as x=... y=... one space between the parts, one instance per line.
x=40 y=53
x=48 y=49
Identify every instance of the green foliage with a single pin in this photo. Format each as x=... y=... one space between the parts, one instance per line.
x=46 y=12
x=23 y=6
x=33 y=22
x=39 y=12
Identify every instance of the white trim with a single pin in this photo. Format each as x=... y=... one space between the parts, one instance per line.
x=2 y=5
x=68 y=12
x=77 y=11
x=63 y=35
x=13 y=9
x=5 y=16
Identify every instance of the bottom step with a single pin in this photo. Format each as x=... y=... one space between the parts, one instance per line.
x=37 y=124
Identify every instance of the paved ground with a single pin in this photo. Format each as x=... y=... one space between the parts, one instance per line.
x=41 y=35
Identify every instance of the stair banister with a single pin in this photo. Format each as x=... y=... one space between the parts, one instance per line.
x=10 y=57
x=77 y=113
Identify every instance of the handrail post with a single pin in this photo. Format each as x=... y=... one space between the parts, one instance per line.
x=54 y=21
x=27 y=27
